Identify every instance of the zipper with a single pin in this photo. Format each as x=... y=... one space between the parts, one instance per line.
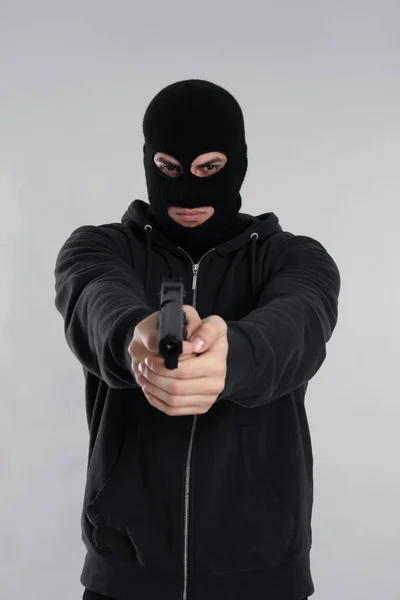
x=195 y=270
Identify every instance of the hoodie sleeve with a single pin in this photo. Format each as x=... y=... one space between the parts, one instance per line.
x=101 y=300
x=281 y=344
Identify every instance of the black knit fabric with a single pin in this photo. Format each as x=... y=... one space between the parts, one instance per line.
x=185 y=120
x=88 y=595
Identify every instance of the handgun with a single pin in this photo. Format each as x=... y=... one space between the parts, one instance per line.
x=172 y=321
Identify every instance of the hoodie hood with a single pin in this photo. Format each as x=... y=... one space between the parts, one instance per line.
x=257 y=230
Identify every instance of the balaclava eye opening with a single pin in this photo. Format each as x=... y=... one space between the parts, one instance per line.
x=187 y=119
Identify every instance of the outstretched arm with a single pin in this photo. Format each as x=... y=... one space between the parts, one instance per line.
x=281 y=344
x=101 y=300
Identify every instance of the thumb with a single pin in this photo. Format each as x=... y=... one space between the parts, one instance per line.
x=205 y=336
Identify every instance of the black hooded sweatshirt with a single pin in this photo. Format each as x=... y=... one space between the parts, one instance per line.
x=212 y=506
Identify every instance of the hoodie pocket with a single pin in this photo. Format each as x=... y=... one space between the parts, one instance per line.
x=240 y=522
x=130 y=519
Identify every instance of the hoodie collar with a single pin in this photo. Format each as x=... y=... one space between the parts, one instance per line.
x=259 y=228
x=264 y=225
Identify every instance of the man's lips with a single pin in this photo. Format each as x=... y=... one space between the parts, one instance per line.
x=191 y=212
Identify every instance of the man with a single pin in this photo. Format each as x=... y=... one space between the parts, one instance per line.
x=200 y=479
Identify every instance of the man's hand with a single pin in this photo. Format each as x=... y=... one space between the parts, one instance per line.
x=145 y=338
x=194 y=386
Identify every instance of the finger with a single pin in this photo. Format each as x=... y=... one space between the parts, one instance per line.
x=147 y=332
x=174 y=411
x=210 y=330
x=167 y=387
x=193 y=318
x=187 y=348
x=192 y=367
x=158 y=361
x=167 y=397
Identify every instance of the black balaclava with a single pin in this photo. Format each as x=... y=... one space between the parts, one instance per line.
x=187 y=119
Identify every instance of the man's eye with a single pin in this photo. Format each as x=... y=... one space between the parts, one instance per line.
x=172 y=170
x=208 y=169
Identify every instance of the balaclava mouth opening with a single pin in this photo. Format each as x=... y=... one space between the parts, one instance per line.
x=187 y=119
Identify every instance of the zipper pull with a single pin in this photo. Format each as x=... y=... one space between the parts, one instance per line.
x=195 y=268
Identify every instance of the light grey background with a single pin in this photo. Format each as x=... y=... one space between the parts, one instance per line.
x=319 y=86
